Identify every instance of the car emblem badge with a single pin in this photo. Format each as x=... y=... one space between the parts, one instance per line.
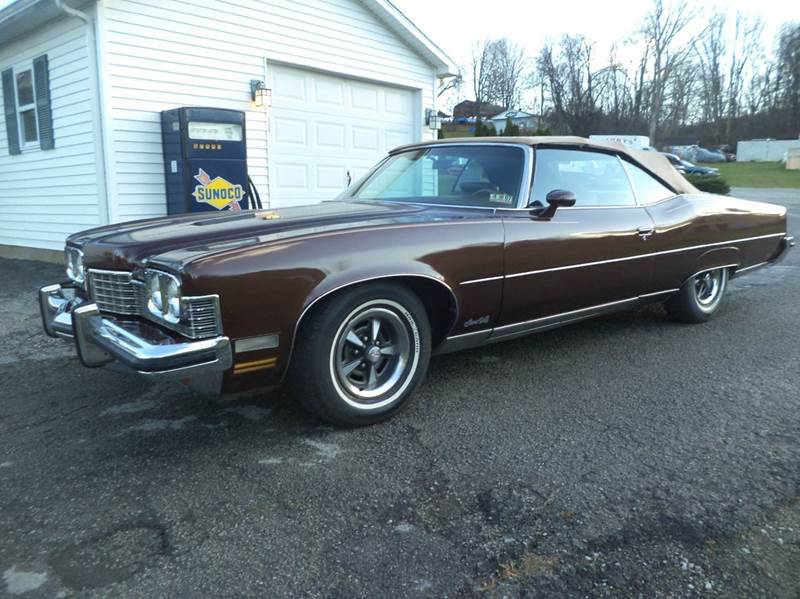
x=374 y=354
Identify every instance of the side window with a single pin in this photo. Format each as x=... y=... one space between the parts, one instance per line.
x=26 y=106
x=648 y=189
x=595 y=178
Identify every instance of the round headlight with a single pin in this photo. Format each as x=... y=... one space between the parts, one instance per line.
x=173 y=300
x=75 y=270
x=154 y=294
x=163 y=296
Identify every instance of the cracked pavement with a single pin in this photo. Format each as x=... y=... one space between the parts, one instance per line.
x=625 y=456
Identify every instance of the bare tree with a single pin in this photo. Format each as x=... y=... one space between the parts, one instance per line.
x=508 y=80
x=454 y=83
x=640 y=90
x=570 y=81
x=710 y=50
x=746 y=43
x=662 y=31
x=787 y=79
x=482 y=72
x=712 y=86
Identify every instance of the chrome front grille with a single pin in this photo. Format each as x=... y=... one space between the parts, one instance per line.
x=201 y=317
x=114 y=292
x=118 y=292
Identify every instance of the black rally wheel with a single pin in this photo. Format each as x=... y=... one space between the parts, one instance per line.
x=700 y=296
x=360 y=355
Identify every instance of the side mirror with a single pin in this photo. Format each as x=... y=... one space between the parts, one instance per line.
x=556 y=199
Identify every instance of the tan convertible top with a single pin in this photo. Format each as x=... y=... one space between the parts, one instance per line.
x=653 y=162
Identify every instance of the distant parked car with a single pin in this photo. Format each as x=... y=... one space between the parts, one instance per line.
x=689 y=168
x=730 y=155
x=706 y=155
x=682 y=152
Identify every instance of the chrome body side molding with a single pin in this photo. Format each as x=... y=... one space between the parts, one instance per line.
x=520 y=329
x=788 y=241
x=641 y=256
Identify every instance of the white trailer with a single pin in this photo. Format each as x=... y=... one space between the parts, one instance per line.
x=637 y=142
x=764 y=150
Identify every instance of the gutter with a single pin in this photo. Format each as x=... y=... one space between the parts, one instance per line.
x=93 y=56
x=73 y=12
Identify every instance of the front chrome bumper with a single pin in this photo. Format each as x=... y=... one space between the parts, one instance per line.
x=137 y=345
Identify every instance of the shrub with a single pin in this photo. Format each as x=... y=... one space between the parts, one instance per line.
x=484 y=130
x=510 y=130
x=708 y=184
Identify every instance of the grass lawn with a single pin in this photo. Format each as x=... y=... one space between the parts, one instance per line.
x=449 y=134
x=758 y=174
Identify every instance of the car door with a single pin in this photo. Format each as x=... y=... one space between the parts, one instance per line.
x=585 y=258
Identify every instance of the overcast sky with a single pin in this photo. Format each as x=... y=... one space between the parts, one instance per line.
x=453 y=26
x=456 y=24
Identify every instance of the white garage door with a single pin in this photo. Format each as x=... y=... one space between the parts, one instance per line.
x=323 y=126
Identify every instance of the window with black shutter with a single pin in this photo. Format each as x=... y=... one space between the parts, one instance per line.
x=44 y=116
x=26 y=103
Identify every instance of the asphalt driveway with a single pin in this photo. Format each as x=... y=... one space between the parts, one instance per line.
x=624 y=456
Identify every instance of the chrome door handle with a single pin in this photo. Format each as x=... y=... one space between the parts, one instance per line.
x=645 y=232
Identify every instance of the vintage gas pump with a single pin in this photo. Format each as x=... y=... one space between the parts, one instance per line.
x=205 y=160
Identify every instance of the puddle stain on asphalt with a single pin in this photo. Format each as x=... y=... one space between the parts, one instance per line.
x=156 y=425
x=325 y=451
x=404 y=527
x=132 y=407
x=113 y=556
x=252 y=413
x=20 y=581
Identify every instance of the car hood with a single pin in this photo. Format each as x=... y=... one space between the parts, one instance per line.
x=173 y=241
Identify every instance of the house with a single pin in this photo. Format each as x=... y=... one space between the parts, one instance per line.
x=524 y=120
x=468 y=110
x=85 y=81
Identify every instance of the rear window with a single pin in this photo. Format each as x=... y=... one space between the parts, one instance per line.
x=648 y=189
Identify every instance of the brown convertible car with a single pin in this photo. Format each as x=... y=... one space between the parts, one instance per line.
x=442 y=246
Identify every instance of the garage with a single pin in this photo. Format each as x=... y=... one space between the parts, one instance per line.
x=325 y=89
x=326 y=128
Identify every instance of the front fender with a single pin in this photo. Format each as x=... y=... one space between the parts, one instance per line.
x=270 y=289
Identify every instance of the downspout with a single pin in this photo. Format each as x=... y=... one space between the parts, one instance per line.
x=92 y=53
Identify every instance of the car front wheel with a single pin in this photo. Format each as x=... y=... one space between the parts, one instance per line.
x=360 y=356
x=700 y=296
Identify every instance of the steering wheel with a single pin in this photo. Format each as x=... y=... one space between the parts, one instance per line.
x=486 y=190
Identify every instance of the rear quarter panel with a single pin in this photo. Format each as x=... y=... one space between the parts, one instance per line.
x=698 y=232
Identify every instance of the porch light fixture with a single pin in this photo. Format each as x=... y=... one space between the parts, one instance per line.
x=260 y=94
x=432 y=119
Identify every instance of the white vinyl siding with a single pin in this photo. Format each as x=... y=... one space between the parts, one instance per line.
x=160 y=55
x=49 y=194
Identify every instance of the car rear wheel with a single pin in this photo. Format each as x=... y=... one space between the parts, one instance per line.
x=360 y=356
x=700 y=296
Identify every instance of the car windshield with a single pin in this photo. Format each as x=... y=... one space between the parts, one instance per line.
x=481 y=175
